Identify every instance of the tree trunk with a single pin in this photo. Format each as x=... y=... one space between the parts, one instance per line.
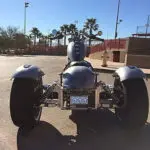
x=45 y=44
x=50 y=43
x=34 y=40
x=90 y=39
x=58 y=42
x=65 y=40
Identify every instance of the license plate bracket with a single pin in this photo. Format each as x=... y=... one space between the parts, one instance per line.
x=79 y=100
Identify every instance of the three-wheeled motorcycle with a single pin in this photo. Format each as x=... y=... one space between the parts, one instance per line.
x=79 y=89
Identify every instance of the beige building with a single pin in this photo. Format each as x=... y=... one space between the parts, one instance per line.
x=117 y=49
x=134 y=51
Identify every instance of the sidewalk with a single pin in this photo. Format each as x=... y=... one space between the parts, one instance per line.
x=112 y=66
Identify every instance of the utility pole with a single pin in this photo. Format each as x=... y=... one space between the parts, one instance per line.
x=26 y=4
x=116 y=32
x=137 y=29
x=76 y=23
x=147 y=25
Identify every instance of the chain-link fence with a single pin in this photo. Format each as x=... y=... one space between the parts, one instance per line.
x=143 y=29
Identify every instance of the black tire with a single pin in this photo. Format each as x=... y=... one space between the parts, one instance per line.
x=135 y=112
x=23 y=99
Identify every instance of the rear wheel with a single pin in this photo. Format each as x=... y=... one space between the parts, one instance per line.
x=24 y=105
x=134 y=112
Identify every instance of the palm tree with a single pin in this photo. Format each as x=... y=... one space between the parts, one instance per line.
x=64 y=29
x=35 y=33
x=91 y=25
x=40 y=36
x=50 y=40
x=72 y=28
x=44 y=39
x=58 y=32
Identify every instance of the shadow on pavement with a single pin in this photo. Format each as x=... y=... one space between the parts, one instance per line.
x=97 y=130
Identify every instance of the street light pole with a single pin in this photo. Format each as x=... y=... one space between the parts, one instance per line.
x=25 y=7
x=137 y=29
x=76 y=22
x=147 y=25
x=116 y=32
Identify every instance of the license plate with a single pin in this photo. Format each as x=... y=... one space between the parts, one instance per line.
x=79 y=100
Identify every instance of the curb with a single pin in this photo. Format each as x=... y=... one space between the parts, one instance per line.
x=104 y=70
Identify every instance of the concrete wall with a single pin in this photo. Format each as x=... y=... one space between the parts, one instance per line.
x=141 y=61
x=138 y=43
x=122 y=56
x=58 y=51
x=138 y=52
x=110 y=45
x=98 y=55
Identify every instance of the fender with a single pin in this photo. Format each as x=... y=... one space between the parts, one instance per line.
x=129 y=72
x=28 y=71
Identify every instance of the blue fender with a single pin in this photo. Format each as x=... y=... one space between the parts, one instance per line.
x=129 y=72
x=28 y=71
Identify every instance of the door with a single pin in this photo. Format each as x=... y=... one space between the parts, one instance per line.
x=116 y=56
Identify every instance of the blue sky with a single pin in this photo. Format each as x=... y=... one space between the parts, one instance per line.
x=50 y=14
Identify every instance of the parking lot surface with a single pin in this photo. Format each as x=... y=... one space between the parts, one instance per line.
x=56 y=131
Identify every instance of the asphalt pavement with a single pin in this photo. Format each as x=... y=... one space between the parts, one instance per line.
x=98 y=130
